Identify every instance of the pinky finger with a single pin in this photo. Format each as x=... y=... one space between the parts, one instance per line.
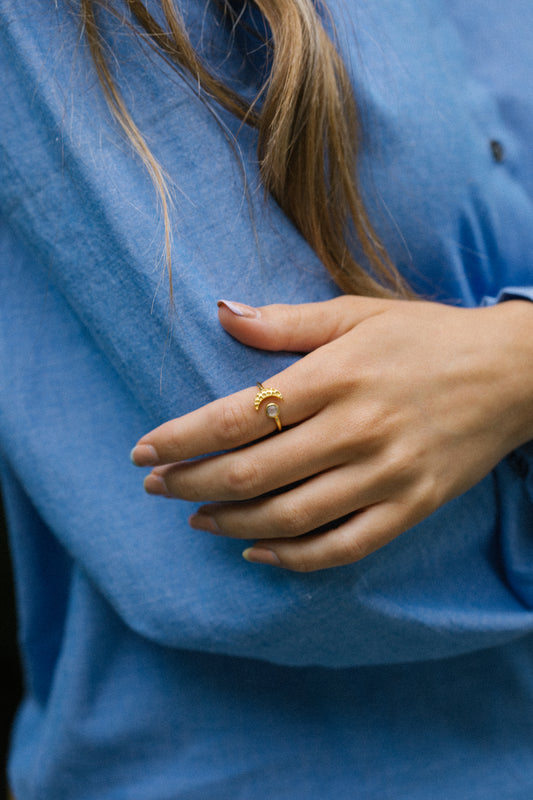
x=366 y=531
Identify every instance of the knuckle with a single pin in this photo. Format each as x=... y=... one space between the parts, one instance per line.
x=378 y=422
x=170 y=444
x=400 y=463
x=295 y=319
x=362 y=435
x=347 y=550
x=351 y=548
x=291 y=521
x=233 y=424
x=368 y=424
x=289 y=322
x=355 y=550
x=429 y=496
x=243 y=478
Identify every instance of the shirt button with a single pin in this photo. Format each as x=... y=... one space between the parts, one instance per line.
x=497 y=150
x=519 y=464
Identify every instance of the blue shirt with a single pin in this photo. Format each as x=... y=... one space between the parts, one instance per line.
x=158 y=663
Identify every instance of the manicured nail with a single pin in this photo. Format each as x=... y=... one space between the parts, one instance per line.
x=260 y=555
x=204 y=522
x=154 y=484
x=144 y=455
x=239 y=309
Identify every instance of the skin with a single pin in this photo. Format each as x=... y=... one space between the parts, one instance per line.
x=398 y=407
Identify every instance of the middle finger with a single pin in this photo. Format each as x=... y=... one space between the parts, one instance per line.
x=270 y=464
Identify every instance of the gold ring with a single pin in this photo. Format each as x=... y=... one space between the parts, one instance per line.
x=272 y=409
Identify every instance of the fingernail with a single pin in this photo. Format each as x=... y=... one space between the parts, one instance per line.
x=260 y=555
x=144 y=455
x=239 y=309
x=204 y=522
x=154 y=484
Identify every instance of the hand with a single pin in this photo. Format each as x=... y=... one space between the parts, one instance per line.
x=398 y=407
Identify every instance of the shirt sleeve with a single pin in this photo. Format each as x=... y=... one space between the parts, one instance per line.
x=509 y=293
x=517 y=545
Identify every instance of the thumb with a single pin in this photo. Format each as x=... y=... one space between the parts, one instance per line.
x=297 y=328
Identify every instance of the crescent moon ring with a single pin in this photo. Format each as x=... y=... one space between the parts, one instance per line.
x=272 y=410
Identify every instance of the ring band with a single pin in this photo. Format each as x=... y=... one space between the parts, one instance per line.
x=272 y=409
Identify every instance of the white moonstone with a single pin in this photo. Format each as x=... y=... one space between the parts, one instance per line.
x=272 y=410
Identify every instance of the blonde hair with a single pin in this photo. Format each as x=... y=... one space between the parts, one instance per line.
x=308 y=131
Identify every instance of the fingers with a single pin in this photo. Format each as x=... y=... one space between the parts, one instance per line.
x=250 y=472
x=232 y=421
x=297 y=328
x=366 y=531
x=306 y=507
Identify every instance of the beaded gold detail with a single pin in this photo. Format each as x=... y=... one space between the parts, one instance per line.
x=272 y=409
x=263 y=394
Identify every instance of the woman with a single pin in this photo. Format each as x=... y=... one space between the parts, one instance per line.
x=158 y=662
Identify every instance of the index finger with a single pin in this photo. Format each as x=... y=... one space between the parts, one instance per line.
x=225 y=424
